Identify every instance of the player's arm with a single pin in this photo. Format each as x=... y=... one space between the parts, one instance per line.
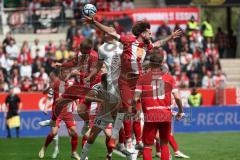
x=179 y=104
x=106 y=29
x=162 y=42
x=138 y=93
x=94 y=71
x=92 y=96
x=48 y=101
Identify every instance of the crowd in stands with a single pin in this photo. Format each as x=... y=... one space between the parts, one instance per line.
x=193 y=59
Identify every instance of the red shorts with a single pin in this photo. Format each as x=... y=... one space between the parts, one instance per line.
x=150 y=130
x=127 y=90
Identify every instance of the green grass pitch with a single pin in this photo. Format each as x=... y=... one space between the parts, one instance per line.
x=199 y=146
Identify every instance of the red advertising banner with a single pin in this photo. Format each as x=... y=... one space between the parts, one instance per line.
x=156 y=16
x=36 y=101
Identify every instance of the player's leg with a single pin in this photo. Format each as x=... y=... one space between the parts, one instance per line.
x=74 y=140
x=164 y=131
x=48 y=140
x=176 y=150
x=8 y=131
x=55 y=146
x=108 y=133
x=92 y=136
x=126 y=95
x=158 y=146
x=149 y=133
x=137 y=128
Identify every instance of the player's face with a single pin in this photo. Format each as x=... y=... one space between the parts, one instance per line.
x=147 y=35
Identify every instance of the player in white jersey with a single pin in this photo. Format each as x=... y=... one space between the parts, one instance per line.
x=103 y=118
x=109 y=54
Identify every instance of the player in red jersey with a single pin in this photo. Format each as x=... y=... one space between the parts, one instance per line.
x=84 y=62
x=135 y=48
x=155 y=89
x=57 y=87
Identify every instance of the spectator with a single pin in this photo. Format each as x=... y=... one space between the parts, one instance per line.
x=182 y=81
x=207 y=81
x=232 y=44
x=62 y=53
x=36 y=65
x=115 y=5
x=212 y=50
x=219 y=79
x=71 y=32
x=77 y=39
x=87 y=31
x=12 y=49
x=50 y=48
x=3 y=83
x=163 y=30
x=26 y=70
x=192 y=26
x=221 y=41
x=15 y=80
x=195 y=98
x=127 y=4
x=7 y=40
x=14 y=105
x=195 y=81
x=25 y=54
x=42 y=76
x=207 y=31
x=26 y=84
x=37 y=50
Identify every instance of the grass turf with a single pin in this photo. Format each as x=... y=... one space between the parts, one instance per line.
x=199 y=146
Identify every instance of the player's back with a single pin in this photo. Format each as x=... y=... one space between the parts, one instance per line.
x=156 y=89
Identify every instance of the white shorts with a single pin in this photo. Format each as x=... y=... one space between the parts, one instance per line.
x=114 y=93
x=103 y=123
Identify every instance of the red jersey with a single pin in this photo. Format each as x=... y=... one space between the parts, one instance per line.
x=85 y=64
x=133 y=55
x=156 y=89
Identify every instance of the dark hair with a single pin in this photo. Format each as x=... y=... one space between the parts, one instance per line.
x=104 y=77
x=86 y=44
x=140 y=27
x=156 y=58
x=56 y=71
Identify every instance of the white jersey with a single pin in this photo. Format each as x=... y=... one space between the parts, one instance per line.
x=104 y=115
x=110 y=53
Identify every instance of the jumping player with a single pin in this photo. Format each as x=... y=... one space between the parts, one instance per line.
x=104 y=117
x=135 y=48
x=58 y=86
x=155 y=89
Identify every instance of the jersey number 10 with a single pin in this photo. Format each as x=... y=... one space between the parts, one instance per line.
x=158 y=87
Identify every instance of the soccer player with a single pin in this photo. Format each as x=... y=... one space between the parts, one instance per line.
x=58 y=85
x=84 y=61
x=155 y=89
x=135 y=48
x=104 y=117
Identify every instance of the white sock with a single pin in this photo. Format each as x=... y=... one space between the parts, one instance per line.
x=117 y=125
x=55 y=142
x=85 y=150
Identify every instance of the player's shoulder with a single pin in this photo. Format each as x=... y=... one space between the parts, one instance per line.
x=168 y=76
x=127 y=38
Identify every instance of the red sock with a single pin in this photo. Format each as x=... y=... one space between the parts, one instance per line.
x=137 y=131
x=48 y=140
x=121 y=136
x=173 y=143
x=147 y=153
x=74 y=143
x=84 y=140
x=110 y=149
x=158 y=147
x=128 y=129
x=165 y=155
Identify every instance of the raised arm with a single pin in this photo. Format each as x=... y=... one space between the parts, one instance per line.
x=94 y=71
x=106 y=29
x=162 y=42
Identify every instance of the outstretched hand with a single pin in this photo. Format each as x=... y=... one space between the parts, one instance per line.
x=177 y=33
x=87 y=19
